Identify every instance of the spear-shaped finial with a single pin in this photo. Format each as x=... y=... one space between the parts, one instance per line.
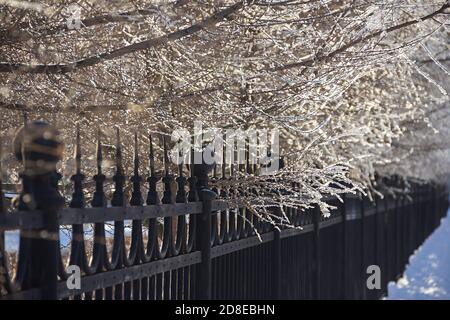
x=152 y=158
x=78 y=196
x=152 y=196
x=25 y=118
x=99 y=199
x=136 y=155
x=167 y=179
x=180 y=164
x=192 y=194
x=118 y=198
x=166 y=156
x=99 y=153
x=118 y=152
x=136 y=196
x=78 y=151
x=224 y=156
x=181 y=180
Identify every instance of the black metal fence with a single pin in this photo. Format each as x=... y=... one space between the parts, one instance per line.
x=193 y=245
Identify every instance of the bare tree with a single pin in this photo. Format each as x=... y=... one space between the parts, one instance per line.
x=354 y=86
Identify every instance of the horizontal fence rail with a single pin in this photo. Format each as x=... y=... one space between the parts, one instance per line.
x=189 y=242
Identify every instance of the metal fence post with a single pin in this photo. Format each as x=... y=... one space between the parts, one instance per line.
x=276 y=256
x=316 y=284
x=203 y=234
x=277 y=259
x=344 y=247
x=378 y=234
x=38 y=147
x=363 y=247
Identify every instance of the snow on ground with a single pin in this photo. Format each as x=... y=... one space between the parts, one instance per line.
x=427 y=276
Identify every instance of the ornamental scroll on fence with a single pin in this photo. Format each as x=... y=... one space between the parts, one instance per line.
x=191 y=244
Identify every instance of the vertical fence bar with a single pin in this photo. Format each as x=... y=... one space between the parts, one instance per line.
x=316 y=267
x=362 y=248
x=276 y=256
x=378 y=233
x=182 y=237
x=78 y=252
x=167 y=198
x=204 y=229
x=204 y=236
x=4 y=275
x=121 y=290
x=192 y=245
x=344 y=248
x=137 y=252
x=152 y=199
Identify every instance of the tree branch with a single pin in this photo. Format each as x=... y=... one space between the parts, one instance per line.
x=52 y=109
x=433 y=61
x=15 y=36
x=311 y=61
x=151 y=43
